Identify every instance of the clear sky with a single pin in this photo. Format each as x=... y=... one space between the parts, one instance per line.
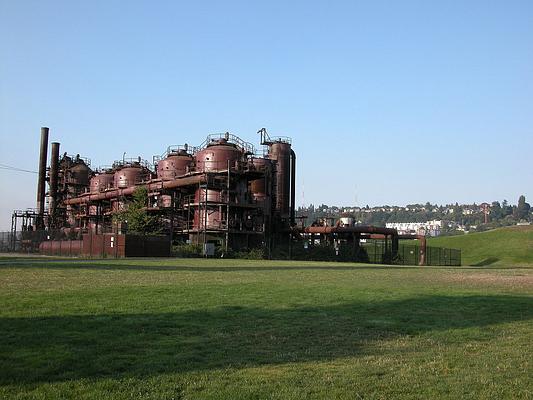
x=387 y=102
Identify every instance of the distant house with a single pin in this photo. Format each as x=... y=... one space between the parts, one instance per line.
x=429 y=228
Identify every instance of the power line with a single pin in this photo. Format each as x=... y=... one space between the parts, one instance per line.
x=11 y=168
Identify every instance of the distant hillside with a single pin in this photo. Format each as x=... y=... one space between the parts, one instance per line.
x=504 y=246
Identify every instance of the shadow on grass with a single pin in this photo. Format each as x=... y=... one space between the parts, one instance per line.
x=486 y=261
x=51 y=349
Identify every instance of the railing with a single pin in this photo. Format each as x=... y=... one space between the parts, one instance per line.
x=245 y=146
x=175 y=148
x=281 y=139
x=75 y=158
x=126 y=162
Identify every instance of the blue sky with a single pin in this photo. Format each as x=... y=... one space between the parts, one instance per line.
x=387 y=102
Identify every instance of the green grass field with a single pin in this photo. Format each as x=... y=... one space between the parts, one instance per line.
x=232 y=329
x=511 y=246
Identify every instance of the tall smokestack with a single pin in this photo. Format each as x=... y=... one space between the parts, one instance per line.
x=42 y=178
x=54 y=174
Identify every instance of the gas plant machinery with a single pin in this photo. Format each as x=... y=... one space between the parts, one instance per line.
x=221 y=192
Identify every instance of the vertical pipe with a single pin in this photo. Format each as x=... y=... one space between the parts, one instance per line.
x=54 y=173
x=395 y=244
x=422 y=254
x=42 y=178
x=293 y=187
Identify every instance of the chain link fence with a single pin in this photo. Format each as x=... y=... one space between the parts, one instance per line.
x=371 y=251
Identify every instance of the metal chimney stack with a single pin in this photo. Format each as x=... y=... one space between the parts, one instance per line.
x=41 y=187
x=54 y=174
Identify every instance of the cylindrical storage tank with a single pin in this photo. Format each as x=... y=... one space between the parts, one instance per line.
x=281 y=153
x=258 y=186
x=80 y=173
x=211 y=219
x=101 y=182
x=216 y=155
x=128 y=176
x=174 y=165
x=209 y=195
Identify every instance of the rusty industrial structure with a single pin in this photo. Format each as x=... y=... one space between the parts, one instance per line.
x=223 y=194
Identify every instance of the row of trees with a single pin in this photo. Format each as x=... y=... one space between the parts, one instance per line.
x=500 y=214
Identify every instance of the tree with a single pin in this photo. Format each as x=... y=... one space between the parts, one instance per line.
x=136 y=217
x=496 y=211
x=522 y=209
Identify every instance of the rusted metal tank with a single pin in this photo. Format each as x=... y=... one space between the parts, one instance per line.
x=101 y=182
x=258 y=186
x=216 y=156
x=129 y=176
x=281 y=153
x=80 y=172
x=209 y=195
x=212 y=219
x=174 y=165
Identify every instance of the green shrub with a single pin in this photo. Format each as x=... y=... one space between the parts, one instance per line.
x=251 y=254
x=187 y=250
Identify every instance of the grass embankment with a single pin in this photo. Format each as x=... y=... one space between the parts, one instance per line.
x=501 y=247
x=235 y=329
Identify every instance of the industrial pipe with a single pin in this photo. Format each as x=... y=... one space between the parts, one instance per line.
x=41 y=191
x=54 y=175
x=349 y=229
x=113 y=194
x=293 y=187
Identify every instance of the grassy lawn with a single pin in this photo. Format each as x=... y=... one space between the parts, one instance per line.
x=512 y=246
x=236 y=329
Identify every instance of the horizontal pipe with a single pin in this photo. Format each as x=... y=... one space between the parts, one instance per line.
x=349 y=229
x=113 y=194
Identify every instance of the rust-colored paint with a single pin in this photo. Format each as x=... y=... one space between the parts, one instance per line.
x=281 y=153
x=174 y=165
x=209 y=195
x=109 y=245
x=212 y=219
x=128 y=176
x=151 y=186
x=61 y=247
x=349 y=229
x=215 y=156
x=258 y=186
x=101 y=182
